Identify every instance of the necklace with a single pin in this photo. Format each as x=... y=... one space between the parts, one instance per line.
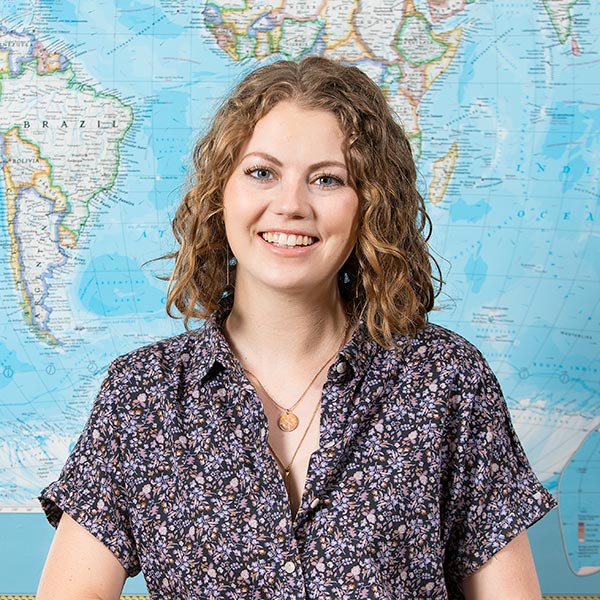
x=287 y=420
x=287 y=469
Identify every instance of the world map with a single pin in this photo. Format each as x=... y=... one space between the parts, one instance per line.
x=101 y=103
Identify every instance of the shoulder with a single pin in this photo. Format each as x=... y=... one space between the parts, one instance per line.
x=444 y=370
x=445 y=351
x=166 y=358
x=149 y=380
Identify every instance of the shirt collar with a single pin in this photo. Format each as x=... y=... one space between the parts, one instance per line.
x=211 y=352
x=358 y=353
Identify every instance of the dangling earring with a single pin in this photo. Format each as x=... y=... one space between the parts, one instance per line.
x=231 y=262
x=227 y=276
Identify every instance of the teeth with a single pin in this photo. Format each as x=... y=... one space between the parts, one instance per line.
x=288 y=241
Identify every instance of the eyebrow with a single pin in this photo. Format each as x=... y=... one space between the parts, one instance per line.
x=278 y=163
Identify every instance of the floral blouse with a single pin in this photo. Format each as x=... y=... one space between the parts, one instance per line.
x=418 y=481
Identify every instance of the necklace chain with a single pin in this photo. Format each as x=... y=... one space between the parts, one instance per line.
x=287 y=469
x=287 y=420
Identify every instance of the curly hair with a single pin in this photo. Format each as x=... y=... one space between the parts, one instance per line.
x=388 y=279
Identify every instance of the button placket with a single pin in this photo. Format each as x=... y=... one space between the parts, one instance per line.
x=290 y=567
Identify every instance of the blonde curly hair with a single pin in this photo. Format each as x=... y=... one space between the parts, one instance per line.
x=388 y=279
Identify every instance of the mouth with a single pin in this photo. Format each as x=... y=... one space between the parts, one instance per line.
x=285 y=240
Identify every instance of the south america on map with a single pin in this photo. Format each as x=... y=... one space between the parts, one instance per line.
x=61 y=149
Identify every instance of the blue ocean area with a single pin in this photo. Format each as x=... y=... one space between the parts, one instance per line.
x=574 y=129
x=579 y=499
x=115 y=286
x=175 y=137
x=62 y=11
x=572 y=173
x=463 y=211
x=10 y=365
x=476 y=272
x=468 y=71
x=567 y=123
x=137 y=17
x=592 y=140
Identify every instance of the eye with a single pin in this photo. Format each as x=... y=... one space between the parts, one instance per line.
x=328 y=180
x=260 y=173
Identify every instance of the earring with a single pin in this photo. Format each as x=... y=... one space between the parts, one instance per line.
x=231 y=262
x=227 y=275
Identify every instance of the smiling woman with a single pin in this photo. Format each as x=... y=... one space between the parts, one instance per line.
x=290 y=213
x=317 y=437
x=388 y=276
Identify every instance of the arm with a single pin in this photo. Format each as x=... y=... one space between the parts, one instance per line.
x=79 y=567
x=508 y=575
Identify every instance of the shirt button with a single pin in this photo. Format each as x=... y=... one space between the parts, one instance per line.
x=315 y=503
x=341 y=367
x=289 y=567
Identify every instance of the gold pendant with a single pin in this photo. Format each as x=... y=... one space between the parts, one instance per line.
x=287 y=421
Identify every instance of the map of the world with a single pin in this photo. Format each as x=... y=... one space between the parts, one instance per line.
x=101 y=103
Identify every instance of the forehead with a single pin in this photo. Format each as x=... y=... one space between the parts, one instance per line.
x=291 y=129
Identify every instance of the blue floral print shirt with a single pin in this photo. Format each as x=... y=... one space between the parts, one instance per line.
x=418 y=481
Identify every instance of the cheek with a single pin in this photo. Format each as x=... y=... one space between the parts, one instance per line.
x=351 y=214
x=229 y=193
x=239 y=198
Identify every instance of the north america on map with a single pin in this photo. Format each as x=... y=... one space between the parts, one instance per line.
x=101 y=103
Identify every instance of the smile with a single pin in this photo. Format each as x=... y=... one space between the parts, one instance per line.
x=284 y=240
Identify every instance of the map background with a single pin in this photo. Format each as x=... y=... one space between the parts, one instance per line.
x=522 y=107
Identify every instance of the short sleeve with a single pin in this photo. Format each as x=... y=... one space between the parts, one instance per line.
x=495 y=494
x=90 y=488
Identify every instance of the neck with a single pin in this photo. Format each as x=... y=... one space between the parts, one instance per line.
x=280 y=329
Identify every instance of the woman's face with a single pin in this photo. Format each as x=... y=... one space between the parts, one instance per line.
x=290 y=214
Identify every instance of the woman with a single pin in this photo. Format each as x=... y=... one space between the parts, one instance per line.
x=316 y=438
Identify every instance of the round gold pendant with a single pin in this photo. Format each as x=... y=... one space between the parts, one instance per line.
x=287 y=421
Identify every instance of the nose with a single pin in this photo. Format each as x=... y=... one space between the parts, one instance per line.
x=292 y=198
